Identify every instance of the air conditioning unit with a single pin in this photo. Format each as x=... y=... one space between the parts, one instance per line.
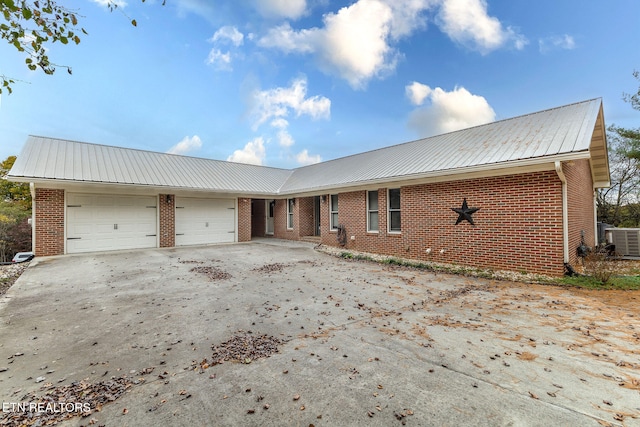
x=626 y=240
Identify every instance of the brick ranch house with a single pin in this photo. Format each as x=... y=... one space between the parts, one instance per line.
x=523 y=190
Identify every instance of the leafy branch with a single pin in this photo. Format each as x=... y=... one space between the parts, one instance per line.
x=30 y=26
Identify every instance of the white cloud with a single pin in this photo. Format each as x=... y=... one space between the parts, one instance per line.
x=565 y=42
x=106 y=3
x=288 y=9
x=253 y=153
x=417 y=92
x=225 y=35
x=220 y=60
x=204 y=8
x=355 y=42
x=277 y=103
x=303 y=158
x=450 y=111
x=285 y=139
x=186 y=145
x=280 y=123
x=467 y=22
x=228 y=33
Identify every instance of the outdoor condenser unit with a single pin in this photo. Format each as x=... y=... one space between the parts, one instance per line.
x=626 y=240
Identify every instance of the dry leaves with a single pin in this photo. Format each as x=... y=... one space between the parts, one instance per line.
x=86 y=397
x=243 y=347
x=270 y=268
x=212 y=273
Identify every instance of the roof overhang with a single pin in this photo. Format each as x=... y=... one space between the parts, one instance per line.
x=473 y=172
x=599 y=156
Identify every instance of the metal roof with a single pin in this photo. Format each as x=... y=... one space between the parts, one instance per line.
x=56 y=159
x=560 y=133
x=563 y=133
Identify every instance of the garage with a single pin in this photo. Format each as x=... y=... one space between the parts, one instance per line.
x=203 y=221
x=106 y=222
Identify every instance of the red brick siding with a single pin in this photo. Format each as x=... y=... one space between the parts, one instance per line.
x=258 y=218
x=580 y=199
x=49 y=222
x=244 y=220
x=305 y=215
x=328 y=238
x=167 y=220
x=518 y=227
x=280 y=220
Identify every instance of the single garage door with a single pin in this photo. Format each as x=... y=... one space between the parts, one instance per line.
x=204 y=221
x=106 y=222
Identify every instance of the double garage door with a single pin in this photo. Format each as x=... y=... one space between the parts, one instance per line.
x=105 y=222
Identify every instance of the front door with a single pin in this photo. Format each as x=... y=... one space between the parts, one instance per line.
x=270 y=204
x=316 y=215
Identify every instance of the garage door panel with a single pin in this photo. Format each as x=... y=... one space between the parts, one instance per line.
x=103 y=222
x=204 y=221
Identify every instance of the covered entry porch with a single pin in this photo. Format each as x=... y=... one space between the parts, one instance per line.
x=299 y=218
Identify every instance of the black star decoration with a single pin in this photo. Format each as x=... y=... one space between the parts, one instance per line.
x=465 y=212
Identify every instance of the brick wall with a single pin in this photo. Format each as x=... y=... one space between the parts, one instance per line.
x=280 y=220
x=518 y=226
x=167 y=220
x=305 y=217
x=580 y=199
x=49 y=222
x=244 y=220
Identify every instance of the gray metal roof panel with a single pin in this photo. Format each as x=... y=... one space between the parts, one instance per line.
x=557 y=131
x=49 y=158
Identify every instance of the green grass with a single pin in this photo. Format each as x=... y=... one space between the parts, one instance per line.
x=627 y=283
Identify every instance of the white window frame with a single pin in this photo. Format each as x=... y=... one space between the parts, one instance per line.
x=389 y=210
x=371 y=211
x=332 y=226
x=290 y=207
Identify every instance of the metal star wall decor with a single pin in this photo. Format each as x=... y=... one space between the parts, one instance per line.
x=465 y=212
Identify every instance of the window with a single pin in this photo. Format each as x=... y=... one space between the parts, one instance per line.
x=290 y=203
x=394 y=210
x=333 y=212
x=372 y=211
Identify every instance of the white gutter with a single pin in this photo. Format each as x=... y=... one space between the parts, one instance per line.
x=565 y=214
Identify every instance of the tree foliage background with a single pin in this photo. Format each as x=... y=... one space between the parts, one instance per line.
x=15 y=210
x=619 y=205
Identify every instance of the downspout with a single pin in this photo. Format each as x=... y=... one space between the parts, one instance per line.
x=565 y=213
x=32 y=190
x=595 y=216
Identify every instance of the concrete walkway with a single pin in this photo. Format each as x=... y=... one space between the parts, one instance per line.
x=362 y=343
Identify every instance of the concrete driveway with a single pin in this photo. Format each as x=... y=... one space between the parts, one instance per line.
x=360 y=343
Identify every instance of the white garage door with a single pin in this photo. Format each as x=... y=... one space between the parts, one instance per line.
x=204 y=221
x=105 y=222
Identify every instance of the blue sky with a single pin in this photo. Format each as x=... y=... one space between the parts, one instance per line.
x=285 y=83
